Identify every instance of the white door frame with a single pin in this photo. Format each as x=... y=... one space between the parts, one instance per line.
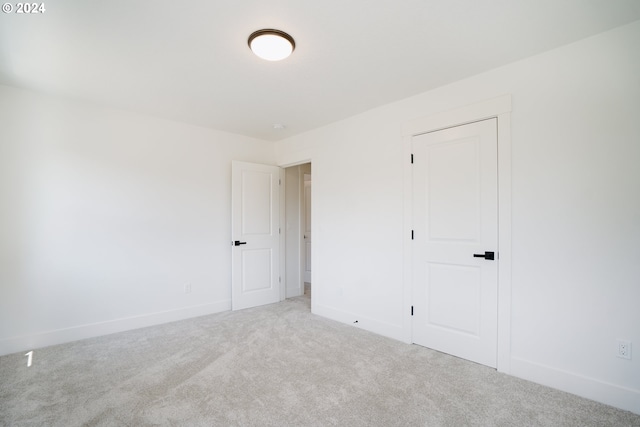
x=303 y=229
x=283 y=247
x=499 y=108
x=300 y=252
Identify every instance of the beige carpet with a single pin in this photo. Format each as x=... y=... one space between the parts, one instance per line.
x=277 y=365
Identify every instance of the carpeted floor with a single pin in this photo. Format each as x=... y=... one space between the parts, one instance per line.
x=276 y=365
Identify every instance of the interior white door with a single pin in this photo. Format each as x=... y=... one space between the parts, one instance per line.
x=255 y=219
x=307 y=228
x=455 y=220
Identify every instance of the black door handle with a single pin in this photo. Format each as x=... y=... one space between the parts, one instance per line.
x=486 y=255
x=238 y=243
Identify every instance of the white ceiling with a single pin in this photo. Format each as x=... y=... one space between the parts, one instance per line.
x=189 y=60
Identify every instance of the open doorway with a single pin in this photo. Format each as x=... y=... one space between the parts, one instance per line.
x=306 y=231
x=298 y=238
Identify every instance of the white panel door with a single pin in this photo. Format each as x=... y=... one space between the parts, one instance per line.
x=307 y=228
x=455 y=220
x=255 y=219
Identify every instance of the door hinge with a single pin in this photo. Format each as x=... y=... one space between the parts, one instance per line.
x=412 y=310
x=411 y=234
x=279 y=279
x=411 y=158
x=279 y=182
x=279 y=230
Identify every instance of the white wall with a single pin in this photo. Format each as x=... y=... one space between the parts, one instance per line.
x=575 y=212
x=106 y=215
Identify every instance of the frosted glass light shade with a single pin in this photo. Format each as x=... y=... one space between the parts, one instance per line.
x=272 y=45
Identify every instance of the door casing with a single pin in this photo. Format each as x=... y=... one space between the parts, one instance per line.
x=499 y=108
x=306 y=231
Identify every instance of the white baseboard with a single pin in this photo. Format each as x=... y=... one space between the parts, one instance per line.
x=59 y=336
x=381 y=328
x=590 y=388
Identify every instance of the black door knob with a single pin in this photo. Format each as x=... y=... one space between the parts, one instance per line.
x=238 y=243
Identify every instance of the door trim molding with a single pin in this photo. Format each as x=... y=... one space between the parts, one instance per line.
x=298 y=159
x=499 y=108
x=303 y=231
x=282 y=234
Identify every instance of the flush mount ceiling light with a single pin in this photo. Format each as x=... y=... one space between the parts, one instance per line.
x=272 y=45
